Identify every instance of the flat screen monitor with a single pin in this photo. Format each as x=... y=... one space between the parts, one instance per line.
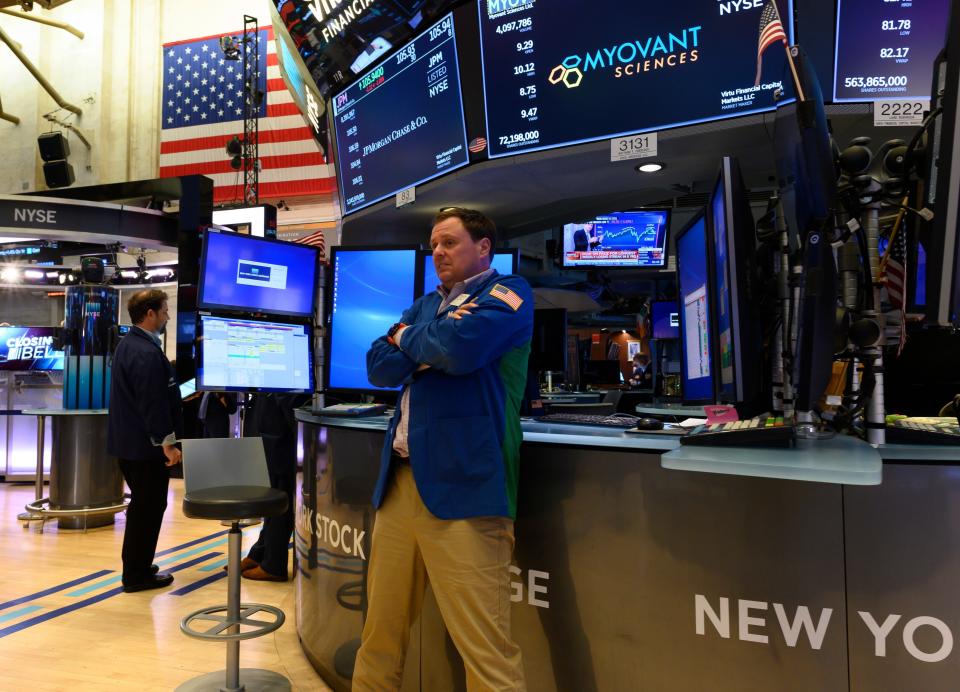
x=504 y=261
x=249 y=274
x=563 y=72
x=884 y=50
x=371 y=289
x=665 y=316
x=548 y=344
x=634 y=239
x=29 y=348
x=401 y=123
x=244 y=355
x=696 y=349
x=733 y=245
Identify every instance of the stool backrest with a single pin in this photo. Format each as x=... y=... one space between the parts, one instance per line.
x=217 y=462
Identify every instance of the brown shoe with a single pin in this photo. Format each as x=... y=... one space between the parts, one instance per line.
x=245 y=564
x=257 y=573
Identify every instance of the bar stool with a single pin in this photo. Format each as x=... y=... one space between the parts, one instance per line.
x=227 y=480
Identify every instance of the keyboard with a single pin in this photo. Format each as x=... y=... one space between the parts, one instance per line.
x=614 y=420
x=754 y=432
x=924 y=431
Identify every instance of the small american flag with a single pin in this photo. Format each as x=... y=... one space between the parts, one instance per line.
x=501 y=292
x=317 y=240
x=477 y=145
x=771 y=31
x=202 y=108
x=894 y=266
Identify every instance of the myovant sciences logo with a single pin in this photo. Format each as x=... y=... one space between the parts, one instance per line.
x=631 y=58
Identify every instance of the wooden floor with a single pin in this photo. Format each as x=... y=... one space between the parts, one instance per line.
x=89 y=635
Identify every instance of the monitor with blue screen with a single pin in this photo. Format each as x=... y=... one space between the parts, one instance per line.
x=665 y=316
x=371 y=289
x=504 y=261
x=635 y=239
x=249 y=274
x=693 y=274
x=243 y=355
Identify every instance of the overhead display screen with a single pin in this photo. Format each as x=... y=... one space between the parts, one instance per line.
x=635 y=239
x=886 y=48
x=564 y=72
x=401 y=123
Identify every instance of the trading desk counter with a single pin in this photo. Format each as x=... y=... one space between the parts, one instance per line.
x=631 y=576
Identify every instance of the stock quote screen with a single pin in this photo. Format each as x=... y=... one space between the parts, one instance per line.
x=622 y=239
x=886 y=48
x=401 y=123
x=565 y=72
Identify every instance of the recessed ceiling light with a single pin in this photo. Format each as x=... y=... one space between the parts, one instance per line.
x=651 y=167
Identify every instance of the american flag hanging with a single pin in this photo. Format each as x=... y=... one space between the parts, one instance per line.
x=202 y=108
x=771 y=31
x=317 y=240
x=895 y=278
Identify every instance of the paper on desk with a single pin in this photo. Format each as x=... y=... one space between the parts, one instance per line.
x=692 y=422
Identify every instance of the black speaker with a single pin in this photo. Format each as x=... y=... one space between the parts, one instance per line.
x=58 y=174
x=53 y=146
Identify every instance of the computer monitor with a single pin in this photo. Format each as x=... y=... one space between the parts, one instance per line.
x=244 y=355
x=665 y=316
x=627 y=239
x=371 y=287
x=693 y=278
x=248 y=274
x=736 y=323
x=548 y=344
x=504 y=261
x=807 y=181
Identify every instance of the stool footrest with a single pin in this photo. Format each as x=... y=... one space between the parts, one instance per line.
x=220 y=625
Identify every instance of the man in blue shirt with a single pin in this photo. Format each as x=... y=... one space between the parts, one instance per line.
x=447 y=491
x=145 y=420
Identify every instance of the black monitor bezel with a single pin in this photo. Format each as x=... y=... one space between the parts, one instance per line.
x=308 y=325
x=623 y=267
x=235 y=310
x=389 y=395
x=423 y=256
x=684 y=398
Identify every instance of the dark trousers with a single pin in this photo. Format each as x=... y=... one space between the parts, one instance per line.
x=148 y=482
x=271 y=548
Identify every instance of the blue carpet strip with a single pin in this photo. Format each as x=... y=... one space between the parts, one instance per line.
x=54 y=589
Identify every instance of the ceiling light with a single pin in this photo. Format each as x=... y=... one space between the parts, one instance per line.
x=62 y=279
x=651 y=167
x=33 y=274
x=9 y=275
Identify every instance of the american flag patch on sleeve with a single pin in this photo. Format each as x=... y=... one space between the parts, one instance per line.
x=503 y=293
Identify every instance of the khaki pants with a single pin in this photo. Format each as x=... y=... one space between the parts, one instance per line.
x=466 y=562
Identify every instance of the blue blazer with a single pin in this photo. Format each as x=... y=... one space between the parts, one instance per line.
x=464 y=428
x=145 y=404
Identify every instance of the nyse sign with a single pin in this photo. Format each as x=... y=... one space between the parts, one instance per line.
x=805 y=626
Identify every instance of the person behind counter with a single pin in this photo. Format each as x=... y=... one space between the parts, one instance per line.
x=642 y=377
x=272 y=419
x=144 y=422
x=447 y=491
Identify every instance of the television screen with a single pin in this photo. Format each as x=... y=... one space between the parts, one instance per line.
x=694 y=278
x=246 y=355
x=29 y=348
x=503 y=261
x=401 y=123
x=885 y=50
x=244 y=273
x=371 y=289
x=548 y=344
x=635 y=239
x=666 y=320
x=562 y=72
x=721 y=276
